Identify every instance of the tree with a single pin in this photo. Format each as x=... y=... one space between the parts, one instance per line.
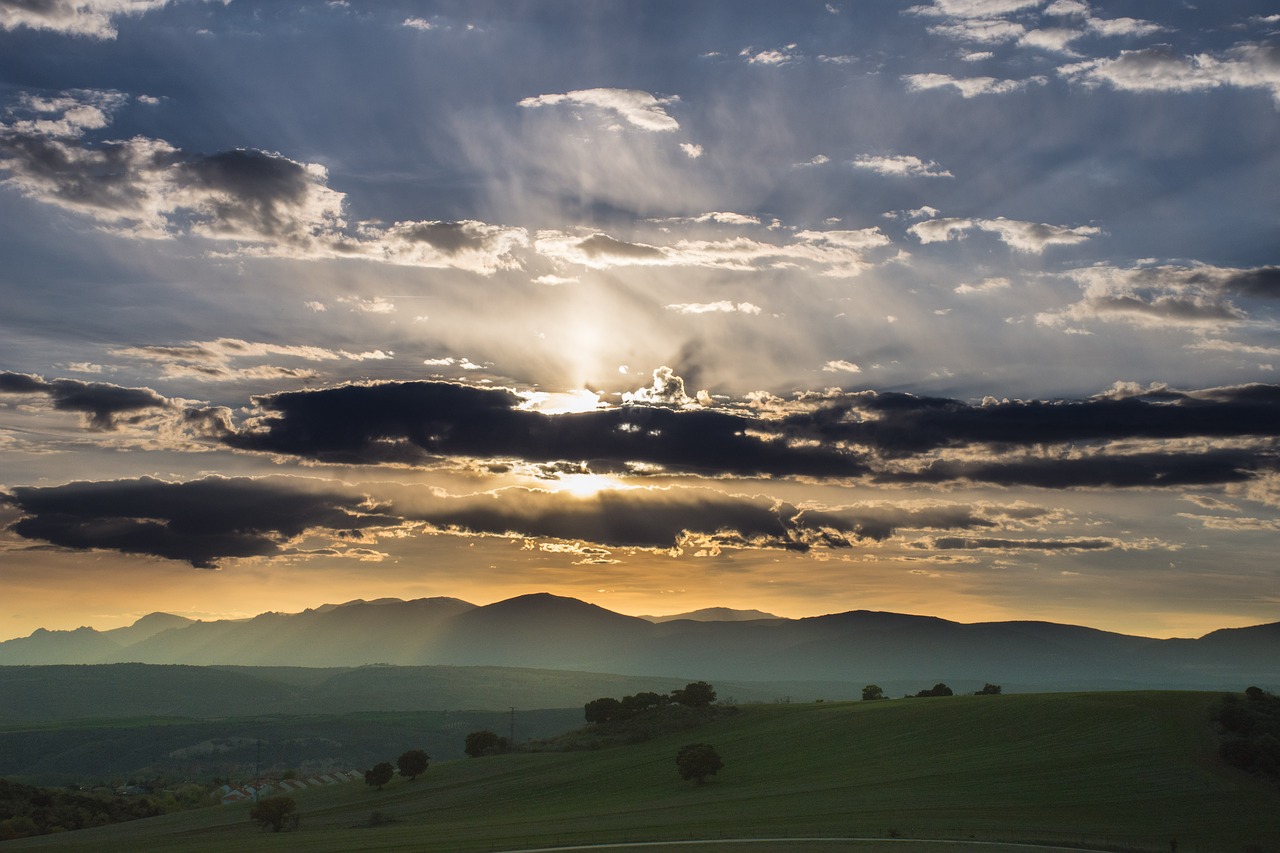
x=275 y=812
x=989 y=690
x=696 y=694
x=484 y=743
x=379 y=775
x=938 y=689
x=413 y=763
x=697 y=761
x=602 y=710
x=872 y=692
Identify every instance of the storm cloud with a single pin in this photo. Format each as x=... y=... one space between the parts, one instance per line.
x=197 y=522
x=102 y=403
x=421 y=422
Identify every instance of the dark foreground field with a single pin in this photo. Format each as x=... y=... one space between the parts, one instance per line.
x=1102 y=770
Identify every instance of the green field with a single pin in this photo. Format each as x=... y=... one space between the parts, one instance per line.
x=1101 y=770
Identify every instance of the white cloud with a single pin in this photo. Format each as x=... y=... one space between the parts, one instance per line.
x=1196 y=296
x=972 y=8
x=1055 y=39
x=637 y=108
x=1031 y=237
x=266 y=203
x=901 y=164
x=987 y=285
x=722 y=307
x=369 y=305
x=1067 y=8
x=834 y=253
x=982 y=31
x=1158 y=69
x=554 y=280
x=92 y=18
x=692 y=150
x=969 y=87
x=977 y=56
x=841 y=366
x=418 y=24
x=1123 y=27
x=214 y=360
x=775 y=56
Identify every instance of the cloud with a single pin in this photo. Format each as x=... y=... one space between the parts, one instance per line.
x=212 y=361
x=722 y=307
x=1160 y=69
x=901 y=164
x=103 y=404
x=424 y=423
x=1030 y=237
x=90 y=18
x=1196 y=296
x=416 y=23
x=270 y=205
x=987 y=285
x=198 y=522
x=692 y=151
x=770 y=56
x=980 y=30
x=967 y=543
x=833 y=253
x=637 y=108
x=841 y=366
x=969 y=87
x=972 y=8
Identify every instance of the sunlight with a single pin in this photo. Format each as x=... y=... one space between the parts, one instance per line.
x=561 y=402
x=588 y=485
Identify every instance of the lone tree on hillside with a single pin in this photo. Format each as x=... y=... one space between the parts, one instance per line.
x=696 y=694
x=379 y=775
x=413 y=763
x=697 y=761
x=484 y=743
x=275 y=812
x=989 y=690
x=872 y=692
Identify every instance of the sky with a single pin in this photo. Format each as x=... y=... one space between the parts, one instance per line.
x=965 y=308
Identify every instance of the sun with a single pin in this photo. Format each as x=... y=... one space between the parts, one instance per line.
x=588 y=485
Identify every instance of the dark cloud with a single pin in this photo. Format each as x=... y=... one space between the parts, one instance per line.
x=102 y=403
x=1097 y=471
x=197 y=522
x=961 y=543
x=202 y=521
x=661 y=518
x=418 y=422
x=1262 y=282
x=898 y=424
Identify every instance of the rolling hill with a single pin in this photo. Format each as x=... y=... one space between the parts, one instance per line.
x=1116 y=771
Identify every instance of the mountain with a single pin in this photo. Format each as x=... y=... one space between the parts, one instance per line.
x=546 y=631
x=714 y=614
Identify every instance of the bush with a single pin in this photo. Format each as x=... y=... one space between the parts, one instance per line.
x=275 y=812
x=697 y=761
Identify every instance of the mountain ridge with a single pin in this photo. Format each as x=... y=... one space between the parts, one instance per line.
x=542 y=630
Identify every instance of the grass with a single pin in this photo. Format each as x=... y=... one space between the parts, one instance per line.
x=1125 y=771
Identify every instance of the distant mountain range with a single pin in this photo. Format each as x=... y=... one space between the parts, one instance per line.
x=551 y=632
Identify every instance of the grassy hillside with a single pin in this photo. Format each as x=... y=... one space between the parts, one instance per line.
x=1117 y=770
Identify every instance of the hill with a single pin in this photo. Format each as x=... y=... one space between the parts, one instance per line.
x=551 y=632
x=1128 y=771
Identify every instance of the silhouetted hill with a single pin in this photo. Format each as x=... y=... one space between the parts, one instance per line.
x=714 y=614
x=552 y=632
